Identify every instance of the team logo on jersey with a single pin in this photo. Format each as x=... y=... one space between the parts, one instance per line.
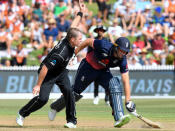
x=82 y=78
x=127 y=44
x=53 y=62
x=104 y=62
x=105 y=54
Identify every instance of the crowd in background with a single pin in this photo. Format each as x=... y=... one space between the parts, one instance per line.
x=149 y=26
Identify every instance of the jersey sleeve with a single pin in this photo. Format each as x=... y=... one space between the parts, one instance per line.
x=97 y=44
x=53 y=61
x=123 y=65
x=100 y=48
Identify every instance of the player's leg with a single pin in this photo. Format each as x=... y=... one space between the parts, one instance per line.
x=96 y=98
x=115 y=90
x=84 y=76
x=107 y=97
x=38 y=101
x=66 y=89
x=59 y=104
x=112 y=85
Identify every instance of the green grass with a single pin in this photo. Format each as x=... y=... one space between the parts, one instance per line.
x=153 y=108
x=161 y=110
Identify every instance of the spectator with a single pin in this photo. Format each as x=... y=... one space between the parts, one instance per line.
x=61 y=8
x=62 y=25
x=19 y=56
x=172 y=38
x=103 y=9
x=41 y=2
x=152 y=61
x=158 y=44
x=145 y=16
x=149 y=31
x=115 y=31
x=158 y=17
x=139 y=43
x=7 y=63
x=135 y=62
x=119 y=8
x=128 y=17
x=95 y=23
x=5 y=39
x=50 y=34
x=17 y=28
x=37 y=12
x=143 y=59
x=167 y=26
x=36 y=36
x=171 y=56
x=169 y=6
x=9 y=18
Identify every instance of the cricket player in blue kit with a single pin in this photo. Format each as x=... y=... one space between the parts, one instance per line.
x=96 y=67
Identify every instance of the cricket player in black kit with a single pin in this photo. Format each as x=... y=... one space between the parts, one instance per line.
x=53 y=71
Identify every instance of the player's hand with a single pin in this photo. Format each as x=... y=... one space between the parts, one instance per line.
x=130 y=106
x=82 y=6
x=36 y=90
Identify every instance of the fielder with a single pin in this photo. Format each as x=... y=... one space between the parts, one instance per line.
x=96 y=67
x=53 y=71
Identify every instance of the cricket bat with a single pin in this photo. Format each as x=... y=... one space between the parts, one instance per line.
x=147 y=121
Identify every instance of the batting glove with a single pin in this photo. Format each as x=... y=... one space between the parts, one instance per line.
x=130 y=106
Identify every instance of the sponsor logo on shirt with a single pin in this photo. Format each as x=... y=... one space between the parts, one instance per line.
x=53 y=62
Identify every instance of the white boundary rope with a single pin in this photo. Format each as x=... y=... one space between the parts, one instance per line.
x=31 y=68
x=85 y=96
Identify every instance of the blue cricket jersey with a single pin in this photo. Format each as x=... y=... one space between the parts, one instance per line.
x=101 y=57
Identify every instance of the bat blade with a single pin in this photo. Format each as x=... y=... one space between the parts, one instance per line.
x=149 y=122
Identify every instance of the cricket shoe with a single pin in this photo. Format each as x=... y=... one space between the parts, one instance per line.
x=70 y=125
x=20 y=120
x=123 y=120
x=52 y=114
x=96 y=100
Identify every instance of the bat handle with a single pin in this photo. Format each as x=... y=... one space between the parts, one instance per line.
x=135 y=114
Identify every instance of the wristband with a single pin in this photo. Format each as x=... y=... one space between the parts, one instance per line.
x=80 y=14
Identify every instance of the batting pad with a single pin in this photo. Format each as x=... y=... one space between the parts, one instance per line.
x=116 y=97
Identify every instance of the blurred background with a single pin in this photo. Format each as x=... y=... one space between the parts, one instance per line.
x=29 y=29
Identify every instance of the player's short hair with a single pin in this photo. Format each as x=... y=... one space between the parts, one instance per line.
x=72 y=33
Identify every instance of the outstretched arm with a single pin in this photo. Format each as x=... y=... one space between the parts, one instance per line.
x=87 y=42
x=41 y=77
x=78 y=17
x=130 y=105
x=125 y=79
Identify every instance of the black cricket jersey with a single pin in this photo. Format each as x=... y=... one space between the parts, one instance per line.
x=59 y=57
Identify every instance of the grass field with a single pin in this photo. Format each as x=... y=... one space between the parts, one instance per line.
x=90 y=117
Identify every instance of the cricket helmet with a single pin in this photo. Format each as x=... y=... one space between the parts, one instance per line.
x=123 y=43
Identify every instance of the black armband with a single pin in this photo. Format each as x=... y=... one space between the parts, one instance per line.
x=80 y=14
